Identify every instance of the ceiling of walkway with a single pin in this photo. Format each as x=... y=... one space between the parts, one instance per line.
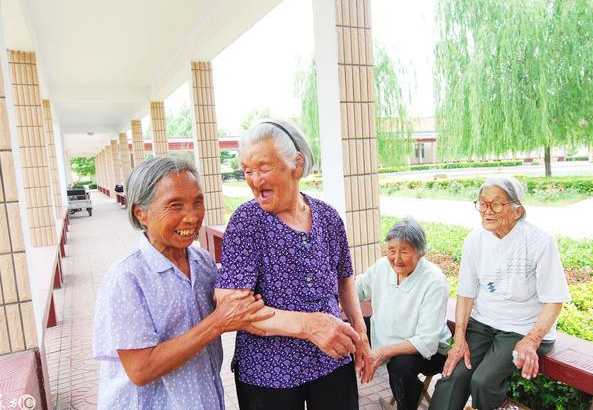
x=101 y=62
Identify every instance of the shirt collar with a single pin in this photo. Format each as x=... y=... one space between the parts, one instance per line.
x=156 y=260
x=412 y=278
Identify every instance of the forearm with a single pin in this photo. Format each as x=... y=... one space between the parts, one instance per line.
x=403 y=347
x=545 y=321
x=147 y=365
x=463 y=311
x=284 y=323
x=350 y=304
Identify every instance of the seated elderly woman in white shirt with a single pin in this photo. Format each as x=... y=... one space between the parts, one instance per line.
x=409 y=324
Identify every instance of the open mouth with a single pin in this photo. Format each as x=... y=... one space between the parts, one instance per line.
x=186 y=233
x=265 y=193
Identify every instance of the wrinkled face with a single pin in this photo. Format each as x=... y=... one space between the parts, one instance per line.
x=273 y=183
x=402 y=256
x=175 y=216
x=502 y=222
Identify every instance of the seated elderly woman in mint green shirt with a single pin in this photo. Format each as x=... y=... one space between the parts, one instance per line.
x=409 y=323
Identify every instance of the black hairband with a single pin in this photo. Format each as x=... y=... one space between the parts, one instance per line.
x=285 y=131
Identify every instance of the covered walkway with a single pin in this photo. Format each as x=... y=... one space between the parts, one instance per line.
x=94 y=244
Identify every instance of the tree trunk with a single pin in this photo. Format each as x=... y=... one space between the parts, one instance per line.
x=548 y=161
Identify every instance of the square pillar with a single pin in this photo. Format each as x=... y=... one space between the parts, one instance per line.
x=17 y=321
x=53 y=163
x=206 y=141
x=32 y=147
x=116 y=161
x=160 y=145
x=137 y=142
x=124 y=153
x=345 y=83
x=109 y=170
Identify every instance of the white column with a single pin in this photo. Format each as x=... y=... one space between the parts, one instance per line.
x=328 y=97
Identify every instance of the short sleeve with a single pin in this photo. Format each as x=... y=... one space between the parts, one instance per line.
x=344 y=261
x=468 y=274
x=551 y=283
x=432 y=318
x=364 y=284
x=241 y=256
x=122 y=318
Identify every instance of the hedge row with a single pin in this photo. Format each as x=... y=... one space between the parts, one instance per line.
x=455 y=165
x=582 y=185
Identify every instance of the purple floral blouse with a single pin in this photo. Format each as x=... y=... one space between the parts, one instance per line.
x=292 y=270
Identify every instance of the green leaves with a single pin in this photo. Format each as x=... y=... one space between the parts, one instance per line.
x=513 y=75
x=83 y=166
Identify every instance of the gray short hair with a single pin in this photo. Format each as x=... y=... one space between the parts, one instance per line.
x=515 y=190
x=410 y=231
x=286 y=147
x=144 y=178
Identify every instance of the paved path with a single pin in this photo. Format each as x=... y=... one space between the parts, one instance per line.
x=580 y=168
x=574 y=220
x=93 y=244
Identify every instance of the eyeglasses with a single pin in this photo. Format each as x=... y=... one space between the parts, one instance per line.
x=496 y=206
x=261 y=172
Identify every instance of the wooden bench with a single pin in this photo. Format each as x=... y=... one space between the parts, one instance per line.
x=570 y=361
x=121 y=199
x=103 y=190
x=21 y=384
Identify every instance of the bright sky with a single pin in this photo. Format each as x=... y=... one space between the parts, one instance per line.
x=257 y=71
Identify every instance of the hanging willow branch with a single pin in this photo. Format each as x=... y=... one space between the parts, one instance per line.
x=394 y=129
x=513 y=75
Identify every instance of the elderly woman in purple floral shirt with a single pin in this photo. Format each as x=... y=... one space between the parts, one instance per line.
x=157 y=331
x=292 y=249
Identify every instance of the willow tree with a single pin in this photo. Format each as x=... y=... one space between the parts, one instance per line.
x=513 y=76
x=393 y=127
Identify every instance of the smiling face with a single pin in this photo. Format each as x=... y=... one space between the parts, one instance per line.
x=274 y=185
x=500 y=223
x=175 y=215
x=402 y=256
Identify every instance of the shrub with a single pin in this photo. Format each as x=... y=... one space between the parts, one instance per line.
x=543 y=393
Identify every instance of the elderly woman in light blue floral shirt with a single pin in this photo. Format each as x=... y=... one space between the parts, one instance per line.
x=157 y=331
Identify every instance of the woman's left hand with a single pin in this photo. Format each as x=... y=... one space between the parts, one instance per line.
x=527 y=359
x=379 y=357
x=364 y=359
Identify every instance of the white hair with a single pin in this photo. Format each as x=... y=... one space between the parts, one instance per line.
x=288 y=141
x=515 y=190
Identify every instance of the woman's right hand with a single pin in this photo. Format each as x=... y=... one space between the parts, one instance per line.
x=236 y=310
x=460 y=350
x=333 y=336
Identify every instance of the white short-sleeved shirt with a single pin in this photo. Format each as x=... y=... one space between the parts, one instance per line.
x=145 y=300
x=414 y=310
x=512 y=277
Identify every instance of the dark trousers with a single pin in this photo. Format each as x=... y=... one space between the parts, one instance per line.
x=492 y=365
x=337 y=390
x=403 y=377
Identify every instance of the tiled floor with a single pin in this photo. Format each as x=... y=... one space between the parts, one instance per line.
x=93 y=244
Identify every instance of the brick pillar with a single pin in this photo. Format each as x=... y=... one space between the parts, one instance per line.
x=17 y=322
x=345 y=83
x=206 y=134
x=124 y=153
x=137 y=142
x=32 y=148
x=160 y=145
x=116 y=160
x=53 y=163
x=110 y=170
x=98 y=170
